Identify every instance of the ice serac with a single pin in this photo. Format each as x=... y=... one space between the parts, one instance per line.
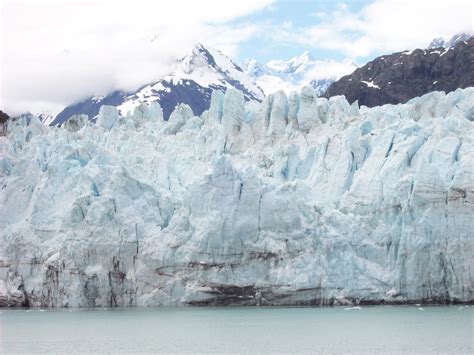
x=108 y=117
x=307 y=114
x=279 y=114
x=216 y=107
x=298 y=200
x=181 y=114
x=233 y=111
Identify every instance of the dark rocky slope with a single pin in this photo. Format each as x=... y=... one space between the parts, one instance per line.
x=399 y=77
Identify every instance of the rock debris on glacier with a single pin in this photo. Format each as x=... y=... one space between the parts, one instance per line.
x=298 y=200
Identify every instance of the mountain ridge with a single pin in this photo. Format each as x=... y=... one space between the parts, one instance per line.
x=192 y=81
x=293 y=74
x=398 y=77
x=252 y=78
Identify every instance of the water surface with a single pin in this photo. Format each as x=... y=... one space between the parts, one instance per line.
x=385 y=329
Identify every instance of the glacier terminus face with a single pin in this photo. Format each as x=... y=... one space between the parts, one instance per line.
x=296 y=200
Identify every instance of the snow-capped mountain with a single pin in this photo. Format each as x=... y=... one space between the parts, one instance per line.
x=191 y=82
x=293 y=74
x=449 y=42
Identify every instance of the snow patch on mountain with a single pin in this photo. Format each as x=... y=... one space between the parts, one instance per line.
x=370 y=84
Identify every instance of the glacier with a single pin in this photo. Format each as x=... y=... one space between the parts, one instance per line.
x=297 y=200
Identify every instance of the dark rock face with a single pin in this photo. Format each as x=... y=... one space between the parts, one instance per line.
x=3 y=122
x=89 y=107
x=3 y=117
x=399 y=77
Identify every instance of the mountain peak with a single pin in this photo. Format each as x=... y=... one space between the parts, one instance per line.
x=252 y=67
x=198 y=57
x=450 y=42
x=293 y=74
x=300 y=60
x=293 y=65
x=195 y=76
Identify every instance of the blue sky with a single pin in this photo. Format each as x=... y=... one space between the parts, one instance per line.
x=303 y=13
x=54 y=52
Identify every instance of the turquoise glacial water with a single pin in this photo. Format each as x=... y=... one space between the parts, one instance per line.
x=259 y=330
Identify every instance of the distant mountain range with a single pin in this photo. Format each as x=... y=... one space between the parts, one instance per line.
x=204 y=70
x=398 y=77
x=293 y=74
x=192 y=82
x=445 y=65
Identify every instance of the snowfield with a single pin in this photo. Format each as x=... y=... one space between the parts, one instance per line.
x=297 y=200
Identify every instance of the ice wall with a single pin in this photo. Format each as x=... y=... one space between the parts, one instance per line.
x=297 y=200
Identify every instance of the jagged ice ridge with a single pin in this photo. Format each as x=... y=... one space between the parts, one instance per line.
x=297 y=200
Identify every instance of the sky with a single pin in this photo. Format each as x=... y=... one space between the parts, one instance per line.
x=56 y=52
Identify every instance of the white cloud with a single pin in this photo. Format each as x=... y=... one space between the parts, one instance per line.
x=383 y=26
x=324 y=69
x=54 y=52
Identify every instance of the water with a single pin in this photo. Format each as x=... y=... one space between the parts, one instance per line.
x=384 y=329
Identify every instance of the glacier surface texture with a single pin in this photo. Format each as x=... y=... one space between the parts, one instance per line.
x=296 y=200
